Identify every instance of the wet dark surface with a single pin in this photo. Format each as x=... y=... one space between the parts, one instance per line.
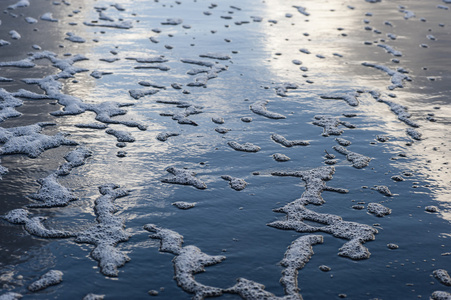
x=225 y=221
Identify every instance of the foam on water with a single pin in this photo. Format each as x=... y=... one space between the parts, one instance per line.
x=28 y=140
x=259 y=108
x=52 y=277
x=296 y=256
x=397 y=77
x=108 y=232
x=297 y=212
x=442 y=276
x=11 y=296
x=163 y=136
x=358 y=160
x=34 y=225
x=184 y=205
x=237 y=184
x=184 y=177
x=378 y=209
x=288 y=143
x=246 y=147
x=350 y=98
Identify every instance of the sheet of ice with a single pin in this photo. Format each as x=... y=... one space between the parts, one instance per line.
x=350 y=98
x=442 y=276
x=378 y=209
x=259 y=108
x=108 y=232
x=358 y=160
x=52 y=277
x=288 y=143
x=441 y=295
x=237 y=184
x=297 y=255
x=184 y=177
x=4 y=43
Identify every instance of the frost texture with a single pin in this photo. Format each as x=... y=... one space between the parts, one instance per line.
x=50 y=278
x=288 y=143
x=259 y=108
x=297 y=212
x=108 y=232
x=358 y=160
x=378 y=209
x=237 y=184
x=185 y=177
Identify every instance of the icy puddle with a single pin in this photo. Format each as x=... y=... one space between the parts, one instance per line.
x=253 y=150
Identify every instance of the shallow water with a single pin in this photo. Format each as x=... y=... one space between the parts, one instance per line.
x=224 y=221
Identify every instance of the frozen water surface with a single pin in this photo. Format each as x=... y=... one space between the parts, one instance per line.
x=267 y=142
